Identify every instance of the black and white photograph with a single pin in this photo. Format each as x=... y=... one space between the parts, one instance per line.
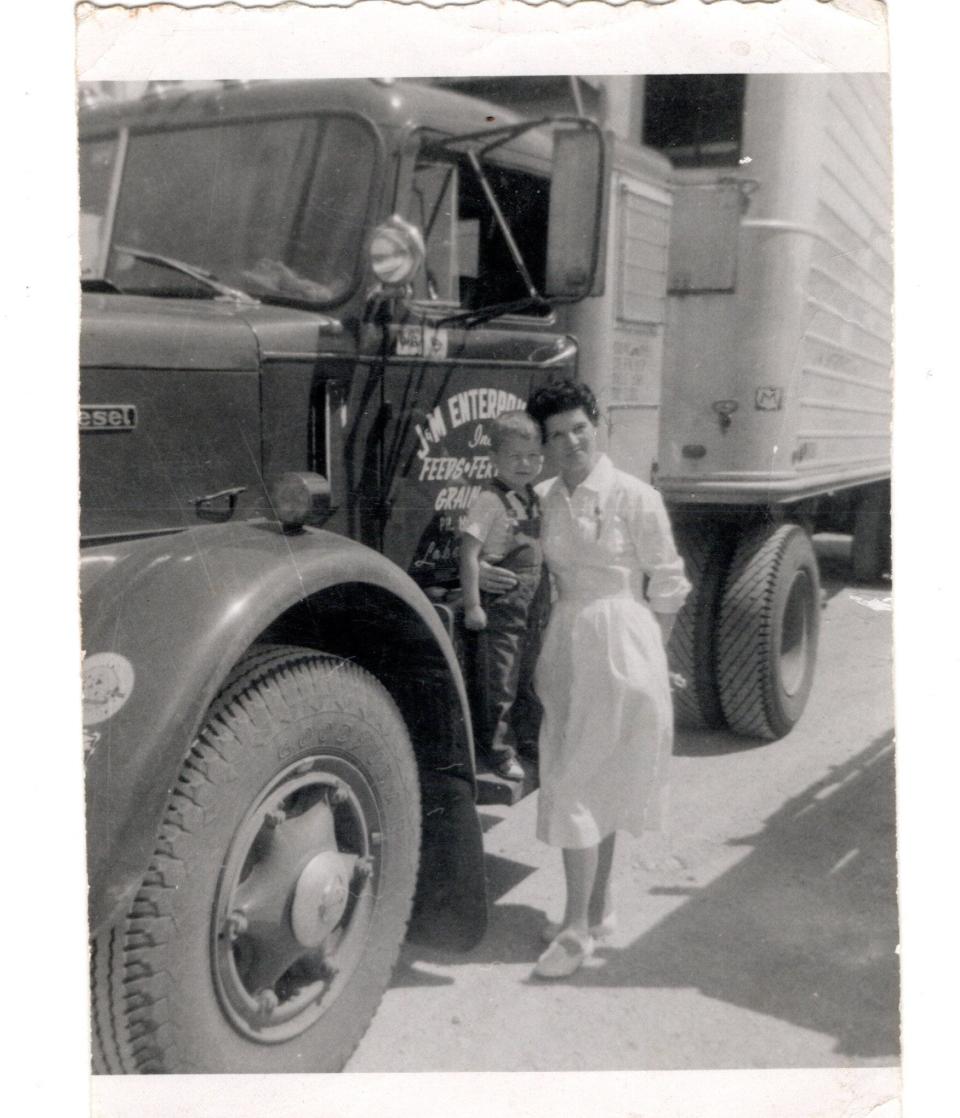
x=486 y=577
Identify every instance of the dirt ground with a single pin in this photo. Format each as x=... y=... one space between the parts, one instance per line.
x=758 y=931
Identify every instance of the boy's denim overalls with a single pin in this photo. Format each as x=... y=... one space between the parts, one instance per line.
x=506 y=708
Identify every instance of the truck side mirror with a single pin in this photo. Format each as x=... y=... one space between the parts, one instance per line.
x=578 y=210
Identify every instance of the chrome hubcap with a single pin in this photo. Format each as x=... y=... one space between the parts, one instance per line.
x=296 y=897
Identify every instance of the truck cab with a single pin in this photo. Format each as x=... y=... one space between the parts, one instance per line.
x=302 y=304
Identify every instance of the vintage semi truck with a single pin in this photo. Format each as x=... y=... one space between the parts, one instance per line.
x=302 y=304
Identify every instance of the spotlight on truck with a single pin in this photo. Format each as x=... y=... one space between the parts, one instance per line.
x=396 y=251
x=299 y=498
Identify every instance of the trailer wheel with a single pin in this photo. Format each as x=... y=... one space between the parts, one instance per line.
x=767 y=639
x=706 y=554
x=268 y=924
x=871 y=548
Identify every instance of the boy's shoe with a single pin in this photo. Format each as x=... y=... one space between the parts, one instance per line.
x=510 y=769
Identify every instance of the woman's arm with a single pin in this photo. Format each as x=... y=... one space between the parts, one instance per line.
x=496 y=580
x=653 y=538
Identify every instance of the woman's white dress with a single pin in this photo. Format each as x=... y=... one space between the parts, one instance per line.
x=607 y=725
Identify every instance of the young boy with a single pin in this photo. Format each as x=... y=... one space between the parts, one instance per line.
x=502 y=527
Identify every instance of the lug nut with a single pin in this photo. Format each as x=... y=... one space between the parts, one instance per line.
x=275 y=818
x=267 y=1002
x=236 y=924
x=339 y=796
x=364 y=867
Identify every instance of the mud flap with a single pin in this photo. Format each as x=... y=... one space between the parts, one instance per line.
x=450 y=906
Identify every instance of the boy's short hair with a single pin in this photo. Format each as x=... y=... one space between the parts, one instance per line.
x=511 y=424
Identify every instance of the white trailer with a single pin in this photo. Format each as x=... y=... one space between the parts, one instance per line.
x=742 y=351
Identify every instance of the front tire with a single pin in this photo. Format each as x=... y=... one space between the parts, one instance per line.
x=769 y=624
x=270 y=919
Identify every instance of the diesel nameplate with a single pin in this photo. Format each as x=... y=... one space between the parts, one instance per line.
x=108 y=417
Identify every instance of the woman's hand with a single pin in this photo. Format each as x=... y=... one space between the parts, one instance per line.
x=496 y=580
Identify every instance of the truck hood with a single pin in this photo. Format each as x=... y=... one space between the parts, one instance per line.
x=136 y=331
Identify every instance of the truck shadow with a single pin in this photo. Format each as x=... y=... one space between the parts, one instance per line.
x=836 y=570
x=511 y=937
x=512 y=934
x=804 y=928
x=712 y=743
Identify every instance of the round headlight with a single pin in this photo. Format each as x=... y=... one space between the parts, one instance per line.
x=396 y=251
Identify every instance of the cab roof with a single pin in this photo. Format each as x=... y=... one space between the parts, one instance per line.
x=390 y=105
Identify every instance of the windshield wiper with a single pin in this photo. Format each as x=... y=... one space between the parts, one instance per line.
x=201 y=275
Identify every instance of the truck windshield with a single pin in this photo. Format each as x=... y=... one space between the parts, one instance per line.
x=269 y=207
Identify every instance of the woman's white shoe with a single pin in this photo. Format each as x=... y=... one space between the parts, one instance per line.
x=565 y=954
x=599 y=933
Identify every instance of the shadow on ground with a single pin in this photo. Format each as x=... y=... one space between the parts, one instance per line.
x=512 y=934
x=712 y=743
x=805 y=928
x=836 y=571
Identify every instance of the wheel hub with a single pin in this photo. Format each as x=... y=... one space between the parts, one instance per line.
x=320 y=897
x=295 y=899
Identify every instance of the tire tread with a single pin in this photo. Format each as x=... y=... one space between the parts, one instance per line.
x=705 y=550
x=747 y=631
x=138 y=947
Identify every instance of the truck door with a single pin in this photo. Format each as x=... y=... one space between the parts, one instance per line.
x=446 y=377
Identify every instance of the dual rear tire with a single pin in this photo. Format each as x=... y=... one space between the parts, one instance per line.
x=706 y=555
x=746 y=639
x=767 y=634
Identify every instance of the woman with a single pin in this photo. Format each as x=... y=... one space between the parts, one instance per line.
x=602 y=674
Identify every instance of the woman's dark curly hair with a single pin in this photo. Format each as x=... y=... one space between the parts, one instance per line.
x=562 y=396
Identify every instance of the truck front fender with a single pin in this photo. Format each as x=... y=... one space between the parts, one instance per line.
x=166 y=619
